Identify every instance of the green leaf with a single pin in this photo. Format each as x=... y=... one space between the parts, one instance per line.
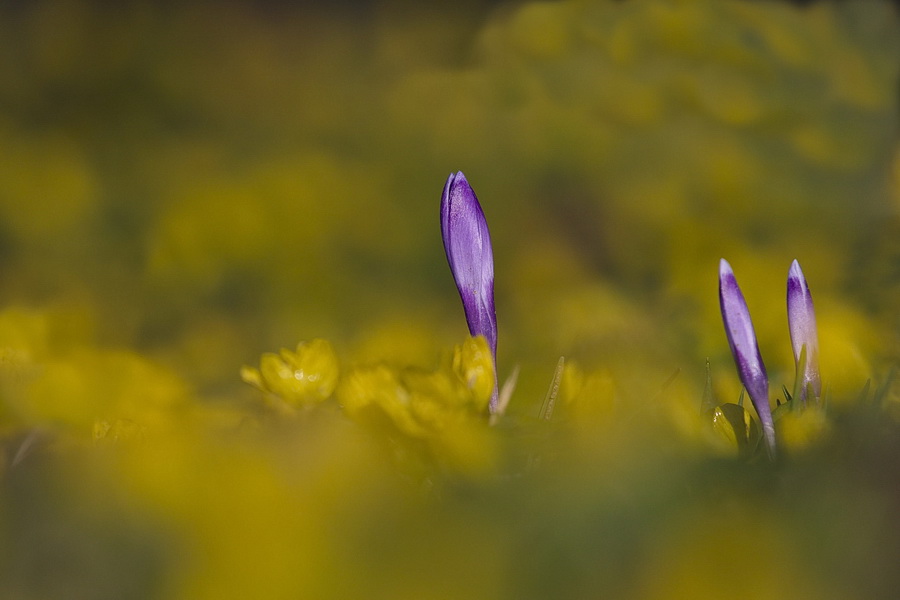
x=737 y=425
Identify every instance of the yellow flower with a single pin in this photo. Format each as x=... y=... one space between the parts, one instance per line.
x=473 y=365
x=802 y=429
x=307 y=376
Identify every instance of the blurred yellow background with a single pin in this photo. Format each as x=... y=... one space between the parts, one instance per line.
x=186 y=186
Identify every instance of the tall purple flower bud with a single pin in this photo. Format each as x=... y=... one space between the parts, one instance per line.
x=802 y=323
x=744 y=348
x=467 y=243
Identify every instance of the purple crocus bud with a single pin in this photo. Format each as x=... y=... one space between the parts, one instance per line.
x=802 y=323
x=744 y=348
x=467 y=243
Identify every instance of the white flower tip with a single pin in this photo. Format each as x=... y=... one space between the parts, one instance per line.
x=795 y=271
x=725 y=269
x=797 y=287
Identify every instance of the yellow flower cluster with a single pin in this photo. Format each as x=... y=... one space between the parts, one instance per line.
x=435 y=415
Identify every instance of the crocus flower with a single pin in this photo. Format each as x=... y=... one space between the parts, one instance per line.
x=467 y=243
x=744 y=348
x=802 y=323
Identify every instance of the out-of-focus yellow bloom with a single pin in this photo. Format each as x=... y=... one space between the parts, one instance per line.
x=411 y=398
x=307 y=376
x=379 y=389
x=587 y=397
x=848 y=340
x=77 y=389
x=443 y=412
x=49 y=380
x=472 y=364
x=799 y=429
x=737 y=551
x=119 y=429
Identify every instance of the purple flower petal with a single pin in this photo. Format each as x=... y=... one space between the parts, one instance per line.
x=467 y=244
x=802 y=324
x=744 y=348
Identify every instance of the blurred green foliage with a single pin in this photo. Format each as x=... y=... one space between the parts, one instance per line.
x=186 y=187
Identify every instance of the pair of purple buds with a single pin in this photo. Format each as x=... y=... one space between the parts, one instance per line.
x=744 y=347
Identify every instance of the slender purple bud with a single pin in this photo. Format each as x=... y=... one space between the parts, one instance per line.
x=802 y=323
x=467 y=243
x=744 y=348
